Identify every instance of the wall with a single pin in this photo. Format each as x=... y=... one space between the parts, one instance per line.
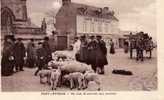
x=17 y=7
x=93 y=25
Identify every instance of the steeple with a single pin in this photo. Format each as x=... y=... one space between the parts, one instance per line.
x=24 y=7
x=44 y=25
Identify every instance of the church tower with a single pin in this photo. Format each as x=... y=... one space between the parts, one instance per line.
x=24 y=8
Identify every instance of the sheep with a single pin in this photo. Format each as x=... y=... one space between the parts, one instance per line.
x=91 y=76
x=55 y=77
x=74 y=66
x=55 y=64
x=44 y=73
x=75 y=77
x=69 y=67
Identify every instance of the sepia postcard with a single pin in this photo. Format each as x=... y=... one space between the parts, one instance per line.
x=79 y=49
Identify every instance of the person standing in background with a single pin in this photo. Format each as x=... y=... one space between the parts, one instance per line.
x=112 y=49
x=83 y=49
x=101 y=56
x=46 y=47
x=19 y=54
x=31 y=54
x=7 y=61
x=41 y=60
x=76 y=48
x=126 y=46
x=92 y=53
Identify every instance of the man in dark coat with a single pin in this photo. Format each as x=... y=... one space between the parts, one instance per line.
x=83 y=49
x=126 y=46
x=112 y=48
x=101 y=54
x=47 y=49
x=41 y=54
x=31 y=54
x=140 y=48
x=19 y=54
x=7 y=62
x=92 y=53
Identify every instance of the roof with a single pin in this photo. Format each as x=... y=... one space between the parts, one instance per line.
x=26 y=24
x=88 y=10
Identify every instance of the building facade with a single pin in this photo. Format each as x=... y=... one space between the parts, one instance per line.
x=15 y=21
x=75 y=19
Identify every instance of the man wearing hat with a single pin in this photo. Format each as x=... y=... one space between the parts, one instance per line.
x=92 y=52
x=7 y=61
x=19 y=53
x=31 y=53
x=83 y=49
x=101 y=58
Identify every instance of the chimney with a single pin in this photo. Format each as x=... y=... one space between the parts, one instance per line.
x=66 y=2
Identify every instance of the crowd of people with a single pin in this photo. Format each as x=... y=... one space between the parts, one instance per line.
x=15 y=55
x=91 y=51
x=140 y=42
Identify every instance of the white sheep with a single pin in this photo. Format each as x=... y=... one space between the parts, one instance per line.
x=44 y=73
x=74 y=66
x=55 y=77
x=75 y=77
x=91 y=76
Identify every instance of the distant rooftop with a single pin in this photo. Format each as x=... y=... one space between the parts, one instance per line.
x=88 y=10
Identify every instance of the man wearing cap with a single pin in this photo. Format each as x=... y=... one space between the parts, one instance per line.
x=46 y=47
x=19 y=54
x=40 y=54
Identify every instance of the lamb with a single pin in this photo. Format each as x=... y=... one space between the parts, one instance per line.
x=91 y=76
x=54 y=64
x=55 y=77
x=75 y=77
x=44 y=73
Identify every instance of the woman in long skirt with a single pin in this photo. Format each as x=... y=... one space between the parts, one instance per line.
x=7 y=62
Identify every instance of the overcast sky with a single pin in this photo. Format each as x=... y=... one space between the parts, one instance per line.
x=133 y=15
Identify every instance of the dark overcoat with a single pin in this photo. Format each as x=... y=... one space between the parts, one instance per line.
x=41 y=57
x=112 y=49
x=92 y=52
x=7 y=61
x=48 y=52
x=83 y=51
x=101 y=55
x=19 y=53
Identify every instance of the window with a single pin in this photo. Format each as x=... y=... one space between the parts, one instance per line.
x=92 y=27
x=106 y=27
x=84 y=26
x=99 y=27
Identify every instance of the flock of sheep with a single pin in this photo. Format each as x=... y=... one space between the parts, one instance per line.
x=64 y=69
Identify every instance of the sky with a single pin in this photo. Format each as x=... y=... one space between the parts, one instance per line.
x=133 y=15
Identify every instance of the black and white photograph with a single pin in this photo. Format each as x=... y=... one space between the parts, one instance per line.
x=78 y=45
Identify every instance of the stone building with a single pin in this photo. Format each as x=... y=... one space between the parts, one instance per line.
x=75 y=19
x=15 y=21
